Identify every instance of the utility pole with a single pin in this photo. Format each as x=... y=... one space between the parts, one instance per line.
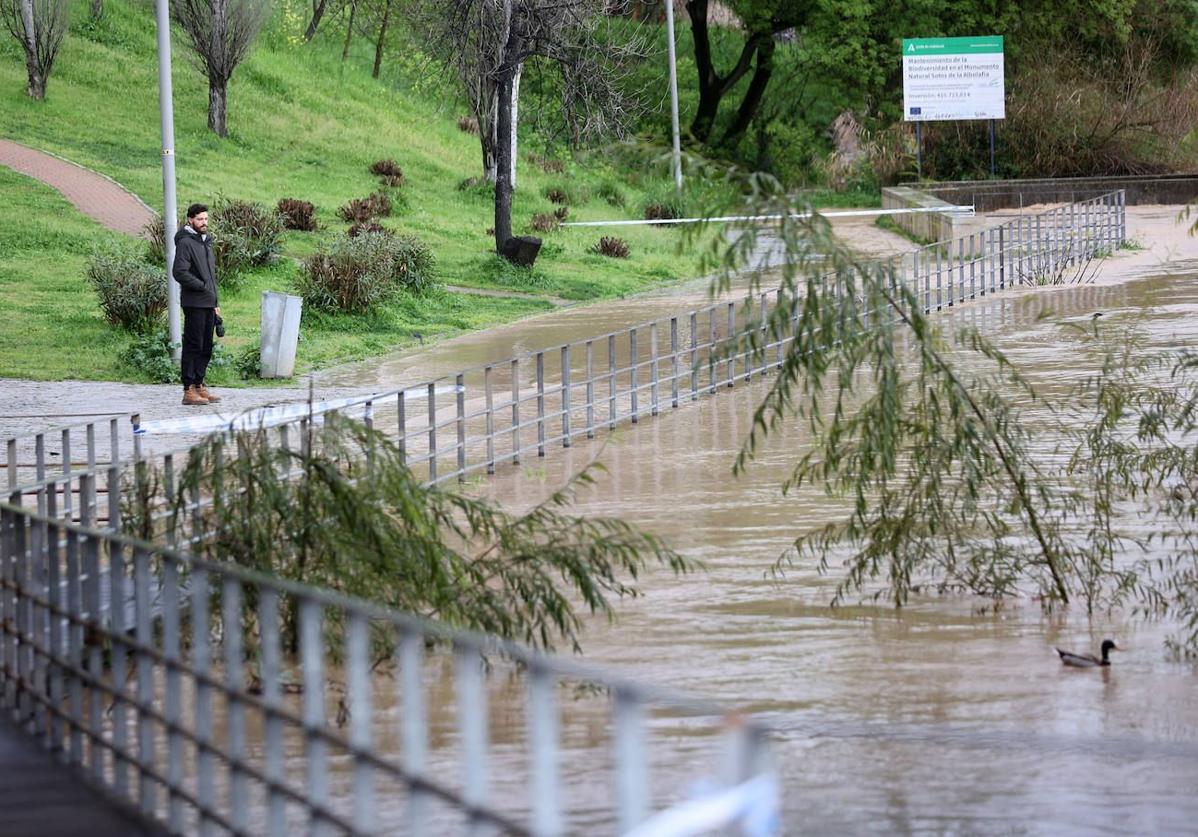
x=170 y=210
x=673 y=94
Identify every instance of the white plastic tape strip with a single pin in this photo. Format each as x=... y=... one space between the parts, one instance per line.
x=271 y=416
x=753 y=806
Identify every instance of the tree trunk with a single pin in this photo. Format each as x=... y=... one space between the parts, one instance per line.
x=349 y=31
x=515 y=122
x=487 y=122
x=713 y=86
x=753 y=96
x=318 y=8
x=503 y=167
x=378 y=45
x=97 y=11
x=217 y=96
x=37 y=83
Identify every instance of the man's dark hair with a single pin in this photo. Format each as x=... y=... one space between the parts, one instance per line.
x=195 y=209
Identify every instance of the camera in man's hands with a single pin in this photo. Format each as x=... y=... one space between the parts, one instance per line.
x=220 y=327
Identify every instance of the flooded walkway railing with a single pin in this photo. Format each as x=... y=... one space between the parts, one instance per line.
x=225 y=701
x=475 y=420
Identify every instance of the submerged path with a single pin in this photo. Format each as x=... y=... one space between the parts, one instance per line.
x=39 y=797
x=96 y=196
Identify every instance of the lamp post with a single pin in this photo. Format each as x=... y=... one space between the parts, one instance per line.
x=170 y=211
x=673 y=94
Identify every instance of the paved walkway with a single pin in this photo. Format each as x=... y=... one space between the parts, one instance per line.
x=104 y=200
x=39 y=797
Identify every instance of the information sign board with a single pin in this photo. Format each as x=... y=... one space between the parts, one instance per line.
x=953 y=78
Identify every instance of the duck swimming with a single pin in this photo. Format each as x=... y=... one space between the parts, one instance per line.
x=1089 y=660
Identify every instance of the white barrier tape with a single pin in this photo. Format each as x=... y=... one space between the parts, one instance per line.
x=966 y=211
x=753 y=806
x=270 y=416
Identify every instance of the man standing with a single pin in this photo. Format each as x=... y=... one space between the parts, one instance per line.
x=195 y=271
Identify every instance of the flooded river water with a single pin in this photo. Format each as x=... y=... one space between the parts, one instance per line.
x=935 y=718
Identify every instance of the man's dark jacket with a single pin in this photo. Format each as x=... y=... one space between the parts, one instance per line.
x=195 y=270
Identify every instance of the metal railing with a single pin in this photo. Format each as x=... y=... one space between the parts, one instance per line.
x=475 y=420
x=219 y=700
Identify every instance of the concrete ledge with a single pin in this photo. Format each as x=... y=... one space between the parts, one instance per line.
x=926 y=226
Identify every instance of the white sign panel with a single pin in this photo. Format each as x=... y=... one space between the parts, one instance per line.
x=953 y=78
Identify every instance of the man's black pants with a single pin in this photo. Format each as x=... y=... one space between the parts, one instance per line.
x=198 y=324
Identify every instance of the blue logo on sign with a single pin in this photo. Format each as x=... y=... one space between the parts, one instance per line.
x=915 y=111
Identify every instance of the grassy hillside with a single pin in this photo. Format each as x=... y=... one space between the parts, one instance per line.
x=302 y=124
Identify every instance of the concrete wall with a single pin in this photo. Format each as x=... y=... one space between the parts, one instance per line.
x=991 y=195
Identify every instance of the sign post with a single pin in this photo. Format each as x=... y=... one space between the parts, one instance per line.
x=947 y=79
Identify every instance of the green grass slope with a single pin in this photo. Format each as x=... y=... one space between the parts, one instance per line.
x=302 y=124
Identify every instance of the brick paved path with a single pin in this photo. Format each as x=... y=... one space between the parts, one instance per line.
x=104 y=200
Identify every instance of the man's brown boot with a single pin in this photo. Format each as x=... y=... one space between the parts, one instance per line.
x=204 y=393
x=192 y=398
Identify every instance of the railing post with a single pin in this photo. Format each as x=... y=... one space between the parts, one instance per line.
x=414 y=728
x=146 y=739
x=674 y=362
x=1002 y=256
x=173 y=708
x=611 y=382
x=315 y=748
x=712 y=351
x=490 y=406
x=939 y=281
x=632 y=769
x=542 y=743
x=460 y=387
x=590 y=389
x=732 y=342
x=432 y=432
x=119 y=622
x=11 y=462
x=653 y=388
x=201 y=660
x=231 y=641
x=540 y=403
x=694 y=341
x=272 y=693
x=472 y=727
x=566 y=395
x=515 y=411
x=361 y=718
x=633 y=356
x=401 y=421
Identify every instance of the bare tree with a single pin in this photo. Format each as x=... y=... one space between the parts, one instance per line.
x=221 y=33
x=488 y=42
x=40 y=26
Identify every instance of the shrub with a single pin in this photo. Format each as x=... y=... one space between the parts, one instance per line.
x=360 y=210
x=354 y=274
x=297 y=214
x=546 y=164
x=389 y=172
x=248 y=364
x=658 y=211
x=150 y=355
x=386 y=168
x=561 y=213
x=612 y=193
x=132 y=293
x=367 y=227
x=612 y=247
x=544 y=222
x=155 y=235
x=557 y=195
x=468 y=124
x=244 y=235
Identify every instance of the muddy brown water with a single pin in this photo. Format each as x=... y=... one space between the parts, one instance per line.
x=933 y=719
x=930 y=719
